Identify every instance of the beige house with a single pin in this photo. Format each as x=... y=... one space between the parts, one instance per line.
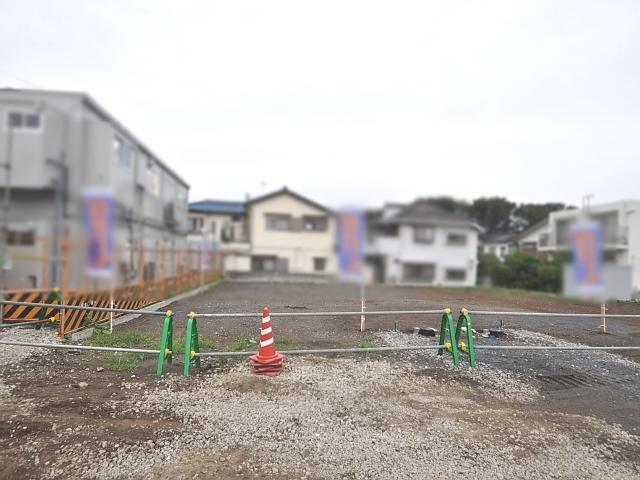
x=278 y=233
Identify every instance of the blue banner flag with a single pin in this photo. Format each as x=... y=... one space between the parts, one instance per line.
x=99 y=221
x=351 y=243
x=586 y=245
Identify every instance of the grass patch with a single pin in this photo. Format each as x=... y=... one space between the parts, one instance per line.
x=129 y=362
x=205 y=345
x=368 y=344
x=125 y=362
x=130 y=339
x=122 y=361
x=241 y=344
x=286 y=343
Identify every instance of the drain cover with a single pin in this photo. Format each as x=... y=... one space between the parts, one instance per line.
x=573 y=380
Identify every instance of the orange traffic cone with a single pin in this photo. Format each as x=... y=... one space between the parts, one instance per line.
x=268 y=361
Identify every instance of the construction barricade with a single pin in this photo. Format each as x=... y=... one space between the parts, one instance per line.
x=458 y=340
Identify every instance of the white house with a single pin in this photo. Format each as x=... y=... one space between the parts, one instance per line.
x=500 y=245
x=620 y=223
x=420 y=243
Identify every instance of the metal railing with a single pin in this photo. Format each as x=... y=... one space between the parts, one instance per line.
x=313 y=351
x=354 y=313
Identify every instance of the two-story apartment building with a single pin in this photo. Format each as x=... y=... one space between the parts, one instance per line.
x=422 y=244
x=620 y=225
x=278 y=233
x=57 y=144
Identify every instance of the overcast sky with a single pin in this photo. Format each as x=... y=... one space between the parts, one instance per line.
x=351 y=101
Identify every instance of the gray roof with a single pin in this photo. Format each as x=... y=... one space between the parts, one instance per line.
x=531 y=229
x=499 y=238
x=422 y=212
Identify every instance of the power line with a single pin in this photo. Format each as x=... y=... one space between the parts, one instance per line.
x=20 y=79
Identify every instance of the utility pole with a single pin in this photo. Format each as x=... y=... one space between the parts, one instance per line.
x=586 y=203
x=60 y=189
x=4 y=238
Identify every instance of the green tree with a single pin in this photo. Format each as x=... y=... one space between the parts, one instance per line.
x=493 y=213
x=450 y=204
x=488 y=264
x=527 y=214
x=528 y=272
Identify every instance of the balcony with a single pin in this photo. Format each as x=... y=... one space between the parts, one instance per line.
x=234 y=235
x=614 y=238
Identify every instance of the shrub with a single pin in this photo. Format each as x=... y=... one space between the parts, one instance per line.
x=523 y=271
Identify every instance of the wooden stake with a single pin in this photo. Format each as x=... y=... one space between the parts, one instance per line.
x=603 y=318
x=362 y=318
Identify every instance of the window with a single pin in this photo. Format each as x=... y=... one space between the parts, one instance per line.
x=456 y=274
x=121 y=153
x=21 y=120
x=319 y=264
x=22 y=238
x=149 y=161
x=196 y=224
x=213 y=227
x=419 y=272
x=15 y=119
x=387 y=230
x=457 y=239
x=149 y=272
x=264 y=264
x=423 y=234
x=277 y=221
x=314 y=223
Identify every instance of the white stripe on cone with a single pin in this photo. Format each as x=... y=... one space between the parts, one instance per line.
x=264 y=331
x=266 y=342
x=266 y=319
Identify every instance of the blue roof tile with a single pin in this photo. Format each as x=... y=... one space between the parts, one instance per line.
x=217 y=206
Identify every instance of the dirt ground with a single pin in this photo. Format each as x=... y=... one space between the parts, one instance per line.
x=345 y=331
x=525 y=414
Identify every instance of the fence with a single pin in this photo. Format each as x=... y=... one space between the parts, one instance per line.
x=448 y=340
x=148 y=275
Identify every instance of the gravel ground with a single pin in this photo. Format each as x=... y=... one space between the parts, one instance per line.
x=10 y=354
x=348 y=418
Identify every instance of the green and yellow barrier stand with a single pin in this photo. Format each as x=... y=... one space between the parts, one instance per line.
x=446 y=327
x=191 y=345
x=470 y=347
x=166 y=343
x=54 y=295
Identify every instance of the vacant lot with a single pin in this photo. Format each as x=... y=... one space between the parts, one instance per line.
x=530 y=414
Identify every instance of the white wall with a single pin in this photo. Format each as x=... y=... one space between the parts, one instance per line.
x=500 y=250
x=403 y=249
